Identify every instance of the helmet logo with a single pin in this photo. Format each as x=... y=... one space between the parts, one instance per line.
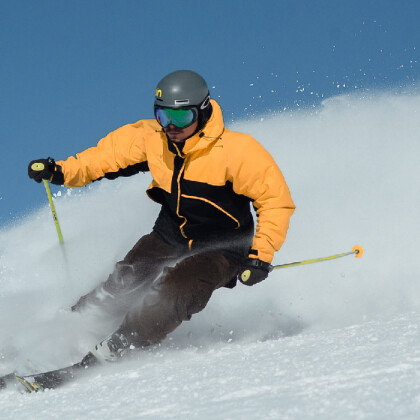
x=158 y=93
x=205 y=102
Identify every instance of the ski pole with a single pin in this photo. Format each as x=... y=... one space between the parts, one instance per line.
x=357 y=251
x=39 y=166
x=60 y=235
x=54 y=213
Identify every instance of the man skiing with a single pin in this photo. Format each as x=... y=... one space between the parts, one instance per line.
x=205 y=177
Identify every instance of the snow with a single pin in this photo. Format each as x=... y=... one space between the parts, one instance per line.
x=338 y=339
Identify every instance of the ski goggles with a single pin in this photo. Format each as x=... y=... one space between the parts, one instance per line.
x=179 y=117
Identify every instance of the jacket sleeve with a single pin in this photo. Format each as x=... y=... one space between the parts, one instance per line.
x=256 y=175
x=121 y=152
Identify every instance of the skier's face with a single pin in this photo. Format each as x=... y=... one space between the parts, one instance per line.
x=177 y=134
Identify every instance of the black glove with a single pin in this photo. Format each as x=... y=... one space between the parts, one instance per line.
x=254 y=271
x=46 y=169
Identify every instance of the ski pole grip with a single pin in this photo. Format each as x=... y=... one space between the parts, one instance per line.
x=38 y=166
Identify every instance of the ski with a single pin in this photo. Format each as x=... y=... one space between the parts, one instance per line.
x=39 y=382
x=47 y=380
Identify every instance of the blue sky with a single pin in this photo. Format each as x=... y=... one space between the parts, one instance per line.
x=71 y=71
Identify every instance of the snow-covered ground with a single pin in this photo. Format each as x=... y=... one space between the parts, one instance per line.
x=333 y=340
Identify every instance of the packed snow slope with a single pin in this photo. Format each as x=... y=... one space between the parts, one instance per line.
x=338 y=339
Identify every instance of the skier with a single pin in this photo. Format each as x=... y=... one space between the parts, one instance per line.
x=204 y=177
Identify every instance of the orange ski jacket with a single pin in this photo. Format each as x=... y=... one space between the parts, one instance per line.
x=206 y=188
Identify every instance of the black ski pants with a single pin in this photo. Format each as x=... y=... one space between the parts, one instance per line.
x=160 y=285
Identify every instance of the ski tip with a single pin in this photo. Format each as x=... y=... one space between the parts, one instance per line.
x=358 y=251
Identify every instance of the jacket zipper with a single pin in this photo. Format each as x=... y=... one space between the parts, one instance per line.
x=178 y=181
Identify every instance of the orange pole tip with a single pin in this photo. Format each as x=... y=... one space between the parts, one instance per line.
x=358 y=250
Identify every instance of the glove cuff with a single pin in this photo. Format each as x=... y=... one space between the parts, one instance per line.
x=57 y=176
x=256 y=263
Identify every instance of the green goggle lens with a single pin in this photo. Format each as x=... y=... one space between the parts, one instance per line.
x=181 y=118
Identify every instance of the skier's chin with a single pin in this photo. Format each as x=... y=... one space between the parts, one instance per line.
x=176 y=136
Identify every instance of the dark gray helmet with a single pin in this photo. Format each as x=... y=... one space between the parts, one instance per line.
x=182 y=88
